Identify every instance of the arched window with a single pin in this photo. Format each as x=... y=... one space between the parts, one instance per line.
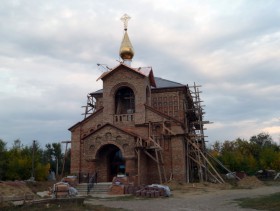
x=124 y=101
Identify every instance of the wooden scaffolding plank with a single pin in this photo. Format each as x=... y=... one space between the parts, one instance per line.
x=164 y=128
x=152 y=144
x=139 y=167
x=206 y=169
x=147 y=153
x=158 y=166
x=163 y=168
x=208 y=162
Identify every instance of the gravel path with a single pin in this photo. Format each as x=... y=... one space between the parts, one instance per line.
x=218 y=200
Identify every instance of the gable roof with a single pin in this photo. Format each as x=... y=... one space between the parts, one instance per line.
x=163 y=83
x=143 y=71
x=160 y=84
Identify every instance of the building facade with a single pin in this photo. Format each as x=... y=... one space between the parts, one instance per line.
x=140 y=126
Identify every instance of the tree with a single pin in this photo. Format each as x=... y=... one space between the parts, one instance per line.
x=17 y=162
x=236 y=155
x=260 y=152
x=19 y=165
x=264 y=150
x=67 y=162
x=15 y=169
x=54 y=153
x=48 y=155
x=262 y=140
x=268 y=158
x=216 y=149
x=3 y=160
x=57 y=154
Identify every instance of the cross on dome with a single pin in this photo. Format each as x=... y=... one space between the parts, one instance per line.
x=125 y=18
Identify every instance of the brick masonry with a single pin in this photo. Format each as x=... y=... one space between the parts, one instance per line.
x=95 y=137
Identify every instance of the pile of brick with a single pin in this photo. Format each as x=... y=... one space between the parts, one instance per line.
x=139 y=191
x=116 y=190
x=71 y=180
x=122 y=185
x=118 y=185
x=130 y=189
x=150 y=192
x=60 y=190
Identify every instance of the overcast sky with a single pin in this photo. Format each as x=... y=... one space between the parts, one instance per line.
x=49 y=51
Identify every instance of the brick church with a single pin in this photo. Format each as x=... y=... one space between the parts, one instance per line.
x=140 y=126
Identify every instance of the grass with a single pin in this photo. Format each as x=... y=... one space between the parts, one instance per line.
x=270 y=202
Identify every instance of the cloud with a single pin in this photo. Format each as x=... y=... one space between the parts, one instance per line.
x=49 y=51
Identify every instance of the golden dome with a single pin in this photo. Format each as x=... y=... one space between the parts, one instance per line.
x=126 y=49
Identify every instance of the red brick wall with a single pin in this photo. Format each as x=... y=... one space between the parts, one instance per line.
x=178 y=158
x=173 y=148
x=124 y=77
x=75 y=150
x=78 y=132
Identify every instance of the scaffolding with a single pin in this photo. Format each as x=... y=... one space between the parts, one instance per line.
x=90 y=106
x=152 y=148
x=198 y=164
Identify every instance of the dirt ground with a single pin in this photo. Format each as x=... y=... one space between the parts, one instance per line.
x=190 y=197
x=14 y=188
x=19 y=188
x=194 y=197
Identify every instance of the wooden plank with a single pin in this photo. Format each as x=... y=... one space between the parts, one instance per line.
x=208 y=162
x=139 y=167
x=206 y=169
x=149 y=133
x=156 y=144
x=164 y=173
x=188 y=164
x=158 y=164
x=147 y=153
x=166 y=128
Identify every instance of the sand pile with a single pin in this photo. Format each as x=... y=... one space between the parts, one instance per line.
x=250 y=182
x=16 y=188
x=191 y=187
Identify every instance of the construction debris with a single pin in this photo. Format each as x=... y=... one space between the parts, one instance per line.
x=250 y=182
x=71 y=180
x=63 y=190
x=153 y=191
x=277 y=176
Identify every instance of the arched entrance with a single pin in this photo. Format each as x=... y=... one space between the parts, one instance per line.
x=110 y=162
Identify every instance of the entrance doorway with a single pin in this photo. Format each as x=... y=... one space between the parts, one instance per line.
x=110 y=162
x=116 y=163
